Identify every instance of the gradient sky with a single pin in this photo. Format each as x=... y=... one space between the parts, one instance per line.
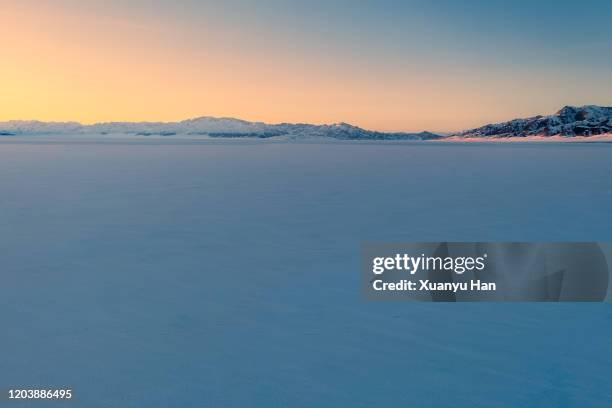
x=385 y=65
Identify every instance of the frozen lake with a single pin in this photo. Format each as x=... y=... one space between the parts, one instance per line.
x=160 y=273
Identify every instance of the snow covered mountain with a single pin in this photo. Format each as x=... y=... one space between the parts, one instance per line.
x=14 y=127
x=210 y=126
x=570 y=121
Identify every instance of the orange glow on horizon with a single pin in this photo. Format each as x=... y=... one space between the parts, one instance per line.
x=76 y=65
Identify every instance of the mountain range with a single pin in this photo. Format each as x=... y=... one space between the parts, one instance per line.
x=570 y=121
x=588 y=120
x=212 y=127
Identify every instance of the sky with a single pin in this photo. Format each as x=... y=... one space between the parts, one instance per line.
x=383 y=65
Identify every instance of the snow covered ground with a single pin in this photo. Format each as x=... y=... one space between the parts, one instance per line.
x=199 y=273
x=605 y=138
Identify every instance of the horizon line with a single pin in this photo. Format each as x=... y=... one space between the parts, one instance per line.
x=86 y=124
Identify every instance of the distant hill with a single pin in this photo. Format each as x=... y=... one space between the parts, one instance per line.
x=588 y=120
x=212 y=127
x=570 y=121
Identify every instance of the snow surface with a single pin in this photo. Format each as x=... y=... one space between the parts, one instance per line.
x=216 y=273
x=604 y=138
